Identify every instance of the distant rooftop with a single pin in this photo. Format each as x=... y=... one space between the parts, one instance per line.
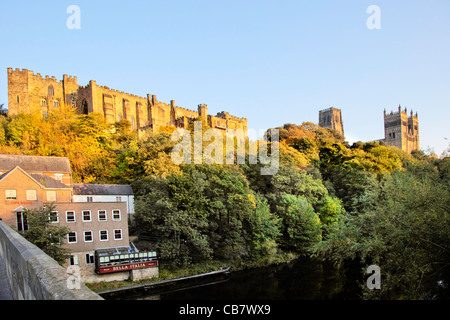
x=34 y=163
x=102 y=189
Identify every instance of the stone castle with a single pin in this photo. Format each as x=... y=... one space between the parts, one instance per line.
x=29 y=92
x=400 y=130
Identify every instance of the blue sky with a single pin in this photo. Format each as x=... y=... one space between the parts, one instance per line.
x=273 y=62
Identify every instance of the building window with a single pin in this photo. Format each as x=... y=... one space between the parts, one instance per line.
x=89 y=258
x=133 y=123
x=58 y=177
x=119 y=199
x=393 y=135
x=102 y=215
x=45 y=114
x=51 y=91
x=72 y=237
x=54 y=217
x=31 y=195
x=86 y=215
x=89 y=199
x=56 y=103
x=73 y=260
x=116 y=215
x=118 y=234
x=11 y=194
x=70 y=216
x=17 y=98
x=43 y=102
x=103 y=235
x=51 y=195
x=88 y=236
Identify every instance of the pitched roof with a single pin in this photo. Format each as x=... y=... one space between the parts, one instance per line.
x=41 y=179
x=102 y=189
x=47 y=181
x=34 y=163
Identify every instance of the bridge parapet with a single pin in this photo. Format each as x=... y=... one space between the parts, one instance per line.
x=32 y=274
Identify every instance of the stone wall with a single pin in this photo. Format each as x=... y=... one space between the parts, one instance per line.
x=32 y=274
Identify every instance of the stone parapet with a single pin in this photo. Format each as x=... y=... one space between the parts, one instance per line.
x=32 y=274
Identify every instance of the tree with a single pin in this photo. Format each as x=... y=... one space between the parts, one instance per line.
x=49 y=238
x=301 y=227
x=407 y=234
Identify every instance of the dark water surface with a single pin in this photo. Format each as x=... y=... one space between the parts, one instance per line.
x=302 y=279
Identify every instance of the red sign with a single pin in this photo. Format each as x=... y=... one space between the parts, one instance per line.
x=126 y=267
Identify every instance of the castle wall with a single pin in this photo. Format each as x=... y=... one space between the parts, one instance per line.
x=160 y=113
x=30 y=93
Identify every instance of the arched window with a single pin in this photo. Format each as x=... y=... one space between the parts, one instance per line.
x=51 y=91
x=84 y=107
x=133 y=123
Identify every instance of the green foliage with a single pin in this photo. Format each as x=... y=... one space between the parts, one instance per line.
x=49 y=238
x=370 y=201
x=301 y=226
x=406 y=234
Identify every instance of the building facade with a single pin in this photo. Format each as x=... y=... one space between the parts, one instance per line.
x=97 y=215
x=402 y=131
x=29 y=92
x=331 y=118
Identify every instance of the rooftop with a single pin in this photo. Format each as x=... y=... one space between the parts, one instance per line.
x=34 y=163
x=102 y=189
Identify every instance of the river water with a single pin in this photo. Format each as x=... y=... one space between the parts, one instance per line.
x=303 y=279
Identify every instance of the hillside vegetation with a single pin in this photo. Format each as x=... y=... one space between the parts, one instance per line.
x=367 y=202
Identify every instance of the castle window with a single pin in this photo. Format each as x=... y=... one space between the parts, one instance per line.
x=85 y=109
x=43 y=102
x=51 y=91
x=393 y=135
x=133 y=123
x=119 y=117
x=56 y=103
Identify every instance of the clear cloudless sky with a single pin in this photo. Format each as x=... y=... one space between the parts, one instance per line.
x=273 y=62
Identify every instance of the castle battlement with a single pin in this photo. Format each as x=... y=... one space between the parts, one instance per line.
x=27 y=91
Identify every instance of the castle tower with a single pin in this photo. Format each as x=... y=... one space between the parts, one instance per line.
x=203 y=111
x=402 y=131
x=331 y=118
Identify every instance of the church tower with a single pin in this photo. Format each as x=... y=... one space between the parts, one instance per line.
x=402 y=131
x=331 y=118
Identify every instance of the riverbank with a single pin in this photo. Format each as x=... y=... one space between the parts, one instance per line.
x=170 y=272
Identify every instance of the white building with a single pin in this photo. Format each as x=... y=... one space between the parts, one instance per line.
x=104 y=193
